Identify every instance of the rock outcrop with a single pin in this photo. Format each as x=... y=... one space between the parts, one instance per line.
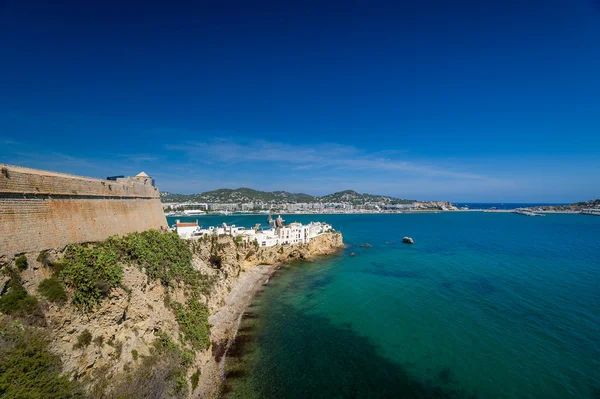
x=123 y=328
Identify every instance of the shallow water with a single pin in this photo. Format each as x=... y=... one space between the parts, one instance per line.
x=482 y=305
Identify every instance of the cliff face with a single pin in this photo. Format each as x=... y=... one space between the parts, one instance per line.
x=124 y=327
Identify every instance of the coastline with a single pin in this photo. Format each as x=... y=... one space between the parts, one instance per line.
x=427 y=211
x=225 y=322
x=236 y=293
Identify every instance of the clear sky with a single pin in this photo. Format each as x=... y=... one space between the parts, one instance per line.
x=450 y=100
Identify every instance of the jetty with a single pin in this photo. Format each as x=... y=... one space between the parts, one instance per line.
x=527 y=212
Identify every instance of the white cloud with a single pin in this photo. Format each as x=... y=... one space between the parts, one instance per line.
x=329 y=156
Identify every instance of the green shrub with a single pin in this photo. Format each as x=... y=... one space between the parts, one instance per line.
x=18 y=303
x=165 y=256
x=195 y=379
x=134 y=354
x=84 y=339
x=193 y=322
x=21 y=263
x=91 y=272
x=28 y=369
x=53 y=290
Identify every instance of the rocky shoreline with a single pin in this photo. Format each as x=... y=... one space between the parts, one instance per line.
x=235 y=294
x=123 y=329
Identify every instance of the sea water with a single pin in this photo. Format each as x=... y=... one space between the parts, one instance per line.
x=487 y=305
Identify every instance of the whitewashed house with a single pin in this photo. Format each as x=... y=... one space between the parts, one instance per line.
x=187 y=230
x=277 y=234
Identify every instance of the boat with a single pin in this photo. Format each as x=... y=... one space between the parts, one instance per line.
x=408 y=240
x=194 y=212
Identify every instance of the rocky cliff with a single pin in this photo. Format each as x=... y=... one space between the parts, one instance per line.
x=153 y=331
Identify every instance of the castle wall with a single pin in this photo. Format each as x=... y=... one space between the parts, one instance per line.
x=42 y=210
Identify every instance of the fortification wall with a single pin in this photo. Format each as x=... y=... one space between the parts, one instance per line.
x=42 y=210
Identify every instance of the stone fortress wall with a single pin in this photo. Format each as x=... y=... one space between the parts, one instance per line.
x=42 y=210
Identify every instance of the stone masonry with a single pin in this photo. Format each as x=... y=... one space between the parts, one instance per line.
x=42 y=210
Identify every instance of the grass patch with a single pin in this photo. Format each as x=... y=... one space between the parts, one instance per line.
x=53 y=290
x=193 y=322
x=28 y=369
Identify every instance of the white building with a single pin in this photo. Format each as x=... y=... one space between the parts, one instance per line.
x=277 y=234
x=187 y=230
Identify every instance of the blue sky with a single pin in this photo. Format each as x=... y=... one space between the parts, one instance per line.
x=461 y=101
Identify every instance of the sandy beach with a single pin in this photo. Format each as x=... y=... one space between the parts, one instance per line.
x=225 y=323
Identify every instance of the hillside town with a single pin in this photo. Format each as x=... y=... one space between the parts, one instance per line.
x=277 y=234
x=252 y=201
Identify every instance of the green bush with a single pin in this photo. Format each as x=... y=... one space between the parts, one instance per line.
x=91 y=272
x=21 y=263
x=28 y=369
x=84 y=339
x=53 y=290
x=18 y=303
x=193 y=322
x=165 y=256
x=134 y=354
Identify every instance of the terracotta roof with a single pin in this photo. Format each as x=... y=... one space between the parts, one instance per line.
x=187 y=224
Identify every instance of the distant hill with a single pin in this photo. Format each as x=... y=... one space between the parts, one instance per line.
x=587 y=204
x=245 y=195
x=576 y=206
x=353 y=197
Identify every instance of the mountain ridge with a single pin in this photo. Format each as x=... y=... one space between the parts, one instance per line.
x=246 y=195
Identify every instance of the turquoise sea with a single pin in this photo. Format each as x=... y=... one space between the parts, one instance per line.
x=483 y=305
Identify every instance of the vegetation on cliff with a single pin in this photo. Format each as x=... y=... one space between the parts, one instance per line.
x=53 y=290
x=193 y=321
x=162 y=374
x=93 y=270
x=28 y=369
x=86 y=274
x=17 y=303
x=127 y=347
